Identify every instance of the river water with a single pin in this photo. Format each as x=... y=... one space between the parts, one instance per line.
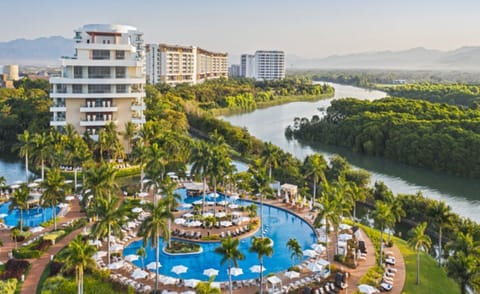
x=269 y=124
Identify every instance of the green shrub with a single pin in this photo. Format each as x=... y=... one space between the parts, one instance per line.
x=26 y=253
x=339 y=258
x=8 y=286
x=372 y=277
x=182 y=247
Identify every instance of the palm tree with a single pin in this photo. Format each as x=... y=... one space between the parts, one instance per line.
x=139 y=156
x=420 y=241
x=19 y=199
x=270 y=157
x=355 y=193
x=206 y=287
x=154 y=227
x=315 y=166
x=129 y=134
x=219 y=161
x=14 y=233
x=200 y=160
x=25 y=146
x=142 y=253
x=263 y=247
x=156 y=160
x=441 y=215
x=464 y=266
x=112 y=217
x=295 y=249
x=383 y=217
x=78 y=255
x=53 y=192
x=329 y=213
x=99 y=184
x=230 y=254
x=168 y=188
x=260 y=185
x=41 y=149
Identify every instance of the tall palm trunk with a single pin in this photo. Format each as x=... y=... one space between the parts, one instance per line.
x=418 y=267
x=314 y=190
x=75 y=179
x=54 y=210
x=381 y=245
x=204 y=194
x=327 y=230
x=270 y=173
x=214 y=196
x=43 y=169
x=21 y=219
x=261 y=274
x=26 y=167
x=142 y=175
x=108 y=245
x=230 y=277
x=440 y=246
x=157 y=253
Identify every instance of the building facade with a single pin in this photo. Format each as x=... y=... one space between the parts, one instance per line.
x=11 y=71
x=266 y=65
x=103 y=82
x=173 y=64
x=234 y=70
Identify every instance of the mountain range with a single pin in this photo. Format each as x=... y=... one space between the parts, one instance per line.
x=47 y=51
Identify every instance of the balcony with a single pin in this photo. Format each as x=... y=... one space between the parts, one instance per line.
x=58 y=108
x=58 y=122
x=138 y=106
x=96 y=123
x=138 y=120
x=98 y=81
x=98 y=108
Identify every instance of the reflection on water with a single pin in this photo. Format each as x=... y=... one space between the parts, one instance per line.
x=269 y=125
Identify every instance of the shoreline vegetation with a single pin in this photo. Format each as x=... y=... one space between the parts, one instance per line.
x=163 y=144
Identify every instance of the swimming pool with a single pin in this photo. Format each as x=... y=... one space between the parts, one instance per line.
x=31 y=218
x=279 y=225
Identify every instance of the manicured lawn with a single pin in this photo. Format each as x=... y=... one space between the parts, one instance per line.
x=433 y=278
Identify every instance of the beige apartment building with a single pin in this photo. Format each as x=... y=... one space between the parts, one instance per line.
x=173 y=64
x=103 y=82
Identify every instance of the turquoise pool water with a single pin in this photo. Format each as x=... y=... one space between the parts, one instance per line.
x=279 y=225
x=31 y=218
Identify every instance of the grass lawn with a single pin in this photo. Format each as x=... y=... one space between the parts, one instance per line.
x=433 y=279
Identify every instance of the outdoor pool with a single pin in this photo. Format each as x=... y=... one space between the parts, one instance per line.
x=31 y=218
x=279 y=225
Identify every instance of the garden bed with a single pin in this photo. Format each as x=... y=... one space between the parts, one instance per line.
x=181 y=247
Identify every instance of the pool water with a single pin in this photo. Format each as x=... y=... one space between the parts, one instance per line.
x=279 y=225
x=31 y=218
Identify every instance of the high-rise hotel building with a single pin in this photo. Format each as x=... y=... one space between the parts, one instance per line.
x=103 y=82
x=265 y=65
x=173 y=64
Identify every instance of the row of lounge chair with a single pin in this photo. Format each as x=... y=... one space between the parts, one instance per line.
x=235 y=232
x=138 y=286
x=187 y=234
x=389 y=273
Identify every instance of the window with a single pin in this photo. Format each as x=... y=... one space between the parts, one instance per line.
x=61 y=88
x=119 y=54
x=99 y=89
x=77 y=72
x=121 y=88
x=99 y=72
x=120 y=72
x=77 y=89
x=100 y=54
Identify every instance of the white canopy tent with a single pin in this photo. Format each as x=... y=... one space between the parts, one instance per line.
x=274 y=284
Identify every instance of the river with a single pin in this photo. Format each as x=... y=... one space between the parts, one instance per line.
x=269 y=125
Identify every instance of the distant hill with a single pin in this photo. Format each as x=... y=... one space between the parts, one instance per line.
x=465 y=58
x=41 y=51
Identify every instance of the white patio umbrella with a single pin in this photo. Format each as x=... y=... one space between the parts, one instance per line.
x=168 y=280
x=179 y=269
x=257 y=268
x=139 y=274
x=137 y=209
x=69 y=198
x=314 y=267
x=292 y=274
x=236 y=271
x=367 y=289
x=95 y=242
x=344 y=237
x=116 y=247
x=99 y=254
x=198 y=202
x=33 y=185
x=188 y=215
x=233 y=206
x=179 y=221
x=151 y=265
x=309 y=253
x=210 y=272
x=142 y=194
x=116 y=265
x=223 y=202
x=221 y=214
x=195 y=224
x=186 y=205
x=207 y=214
x=191 y=283
x=318 y=247
x=188 y=292
x=131 y=257
x=3 y=215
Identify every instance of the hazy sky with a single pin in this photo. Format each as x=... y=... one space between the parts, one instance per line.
x=309 y=28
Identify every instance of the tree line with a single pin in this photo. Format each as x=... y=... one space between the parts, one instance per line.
x=419 y=133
